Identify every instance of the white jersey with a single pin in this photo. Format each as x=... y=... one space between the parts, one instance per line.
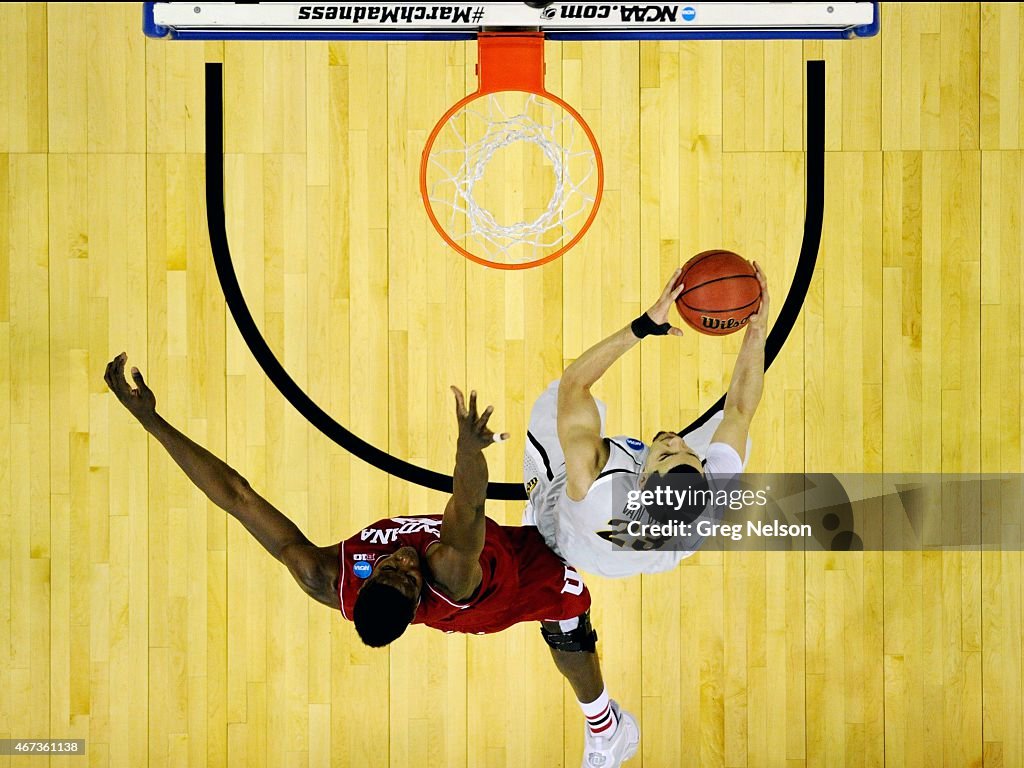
x=591 y=533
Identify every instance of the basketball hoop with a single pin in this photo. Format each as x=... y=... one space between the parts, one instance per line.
x=511 y=176
x=511 y=145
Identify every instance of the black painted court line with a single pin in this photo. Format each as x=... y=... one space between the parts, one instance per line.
x=251 y=333
x=814 y=212
x=275 y=372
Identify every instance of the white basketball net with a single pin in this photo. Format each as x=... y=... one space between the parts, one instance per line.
x=462 y=193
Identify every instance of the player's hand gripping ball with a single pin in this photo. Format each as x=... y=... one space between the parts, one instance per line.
x=721 y=292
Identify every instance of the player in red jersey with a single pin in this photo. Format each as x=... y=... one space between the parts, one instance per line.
x=459 y=572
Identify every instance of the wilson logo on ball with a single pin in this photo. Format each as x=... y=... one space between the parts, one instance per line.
x=715 y=323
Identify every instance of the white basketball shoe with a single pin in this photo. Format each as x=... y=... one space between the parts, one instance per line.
x=612 y=751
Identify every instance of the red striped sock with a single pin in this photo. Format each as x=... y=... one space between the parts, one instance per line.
x=601 y=718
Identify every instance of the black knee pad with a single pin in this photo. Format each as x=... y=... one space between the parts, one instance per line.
x=583 y=639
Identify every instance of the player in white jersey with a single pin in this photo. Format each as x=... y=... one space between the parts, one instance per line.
x=578 y=479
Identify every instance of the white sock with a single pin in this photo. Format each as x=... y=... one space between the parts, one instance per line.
x=601 y=718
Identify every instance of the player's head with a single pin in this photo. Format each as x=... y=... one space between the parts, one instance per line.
x=671 y=464
x=386 y=603
x=669 y=453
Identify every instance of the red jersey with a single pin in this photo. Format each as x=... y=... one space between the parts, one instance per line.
x=523 y=580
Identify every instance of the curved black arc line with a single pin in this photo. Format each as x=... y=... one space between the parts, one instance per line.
x=247 y=326
x=275 y=372
x=814 y=213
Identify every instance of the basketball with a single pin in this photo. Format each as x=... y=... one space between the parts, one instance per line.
x=721 y=293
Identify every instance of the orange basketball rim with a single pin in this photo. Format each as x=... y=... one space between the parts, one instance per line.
x=511 y=122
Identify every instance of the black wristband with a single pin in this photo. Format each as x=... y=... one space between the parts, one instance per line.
x=644 y=326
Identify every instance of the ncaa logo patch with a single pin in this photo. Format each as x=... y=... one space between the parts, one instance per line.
x=362 y=569
x=636 y=445
x=689 y=13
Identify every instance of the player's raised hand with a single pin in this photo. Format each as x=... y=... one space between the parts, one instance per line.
x=758 y=323
x=659 y=312
x=139 y=400
x=473 y=429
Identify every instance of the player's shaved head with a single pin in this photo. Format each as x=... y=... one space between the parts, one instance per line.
x=381 y=614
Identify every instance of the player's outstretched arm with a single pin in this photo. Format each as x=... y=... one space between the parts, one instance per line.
x=579 y=433
x=227 y=488
x=747 y=378
x=579 y=423
x=592 y=364
x=456 y=565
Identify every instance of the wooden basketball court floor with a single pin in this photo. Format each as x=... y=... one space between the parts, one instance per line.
x=135 y=615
